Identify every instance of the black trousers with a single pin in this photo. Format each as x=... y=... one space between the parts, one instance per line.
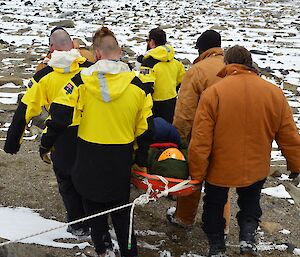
x=63 y=158
x=215 y=199
x=72 y=200
x=100 y=228
x=164 y=109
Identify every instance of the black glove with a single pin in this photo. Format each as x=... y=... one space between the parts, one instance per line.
x=44 y=154
x=11 y=147
x=293 y=175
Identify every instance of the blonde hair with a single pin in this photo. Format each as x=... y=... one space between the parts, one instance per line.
x=105 y=40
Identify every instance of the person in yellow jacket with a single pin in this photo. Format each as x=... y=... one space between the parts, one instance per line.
x=113 y=109
x=83 y=52
x=44 y=88
x=161 y=71
x=235 y=124
x=200 y=76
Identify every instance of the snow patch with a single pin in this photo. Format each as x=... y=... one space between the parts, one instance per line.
x=20 y=222
x=278 y=192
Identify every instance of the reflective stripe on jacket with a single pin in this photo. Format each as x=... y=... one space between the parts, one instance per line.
x=163 y=71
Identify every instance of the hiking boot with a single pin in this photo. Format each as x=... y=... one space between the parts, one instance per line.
x=174 y=221
x=248 y=248
x=108 y=253
x=80 y=232
x=247 y=237
x=217 y=246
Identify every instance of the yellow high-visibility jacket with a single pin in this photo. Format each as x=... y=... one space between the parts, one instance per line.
x=163 y=71
x=42 y=90
x=113 y=109
x=108 y=101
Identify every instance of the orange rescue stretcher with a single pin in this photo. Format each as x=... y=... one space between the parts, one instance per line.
x=173 y=186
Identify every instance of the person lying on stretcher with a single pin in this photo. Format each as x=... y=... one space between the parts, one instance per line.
x=167 y=155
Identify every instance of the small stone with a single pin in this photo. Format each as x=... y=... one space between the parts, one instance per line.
x=270 y=227
x=28 y=3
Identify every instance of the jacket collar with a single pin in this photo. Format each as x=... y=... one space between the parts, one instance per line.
x=235 y=69
x=208 y=53
x=106 y=66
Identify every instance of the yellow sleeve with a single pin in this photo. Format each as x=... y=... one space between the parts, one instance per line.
x=181 y=73
x=35 y=98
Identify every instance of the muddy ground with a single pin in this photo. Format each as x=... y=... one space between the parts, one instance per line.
x=26 y=181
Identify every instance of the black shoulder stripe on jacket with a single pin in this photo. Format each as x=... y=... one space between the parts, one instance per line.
x=86 y=64
x=61 y=118
x=149 y=62
x=147 y=87
x=77 y=80
x=42 y=73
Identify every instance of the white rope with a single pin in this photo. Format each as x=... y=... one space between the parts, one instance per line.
x=146 y=198
x=67 y=224
x=141 y=200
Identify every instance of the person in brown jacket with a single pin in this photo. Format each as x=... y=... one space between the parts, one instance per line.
x=236 y=121
x=200 y=76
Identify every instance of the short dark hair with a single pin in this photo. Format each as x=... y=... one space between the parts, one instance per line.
x=238 y=54
x=159 y=36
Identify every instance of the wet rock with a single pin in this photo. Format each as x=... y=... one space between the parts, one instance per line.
x=219 y=28
x=270 y=227
x=185 y=61
x=284 y=72
x=16 y=250
x=128 y=51
x=294 y=192
x=276 y=174
x=291 y=247
x=11 y=79
x=28 y=3
x=63 y=23
x=258 y=52
x=7 y=18
x=137 y=39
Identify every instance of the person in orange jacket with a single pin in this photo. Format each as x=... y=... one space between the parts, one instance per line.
x=200 y=76
x=236 y=121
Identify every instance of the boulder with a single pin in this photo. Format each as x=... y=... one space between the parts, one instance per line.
x=11 y=79
x=63 y=23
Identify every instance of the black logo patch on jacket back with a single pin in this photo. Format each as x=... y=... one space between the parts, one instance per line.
x=69 y=88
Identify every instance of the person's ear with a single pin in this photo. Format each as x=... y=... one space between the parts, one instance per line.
x=51 y=48
x=98 y=54
x=75 y=44
x=152 y=43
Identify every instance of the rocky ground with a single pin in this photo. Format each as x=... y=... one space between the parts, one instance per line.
x=26 y=181
x=269 y=28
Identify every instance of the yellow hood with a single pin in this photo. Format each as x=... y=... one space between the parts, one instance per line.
x=111 y=77
x=66 y=61
x=163 y=53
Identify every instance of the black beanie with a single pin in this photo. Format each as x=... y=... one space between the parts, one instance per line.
x=208 y=39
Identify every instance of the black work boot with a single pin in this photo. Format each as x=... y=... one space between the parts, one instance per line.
x=247 y=237
x=217 y=246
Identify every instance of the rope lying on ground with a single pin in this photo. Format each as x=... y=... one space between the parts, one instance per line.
x=143 y=199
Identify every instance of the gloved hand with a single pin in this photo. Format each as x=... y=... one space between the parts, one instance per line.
x=139 y=168
x=11 y=148
x=293 y=175
x=44 y=154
